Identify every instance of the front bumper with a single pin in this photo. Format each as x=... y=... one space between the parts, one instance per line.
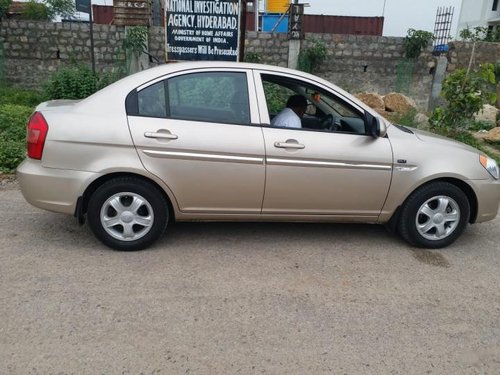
x=52 y=189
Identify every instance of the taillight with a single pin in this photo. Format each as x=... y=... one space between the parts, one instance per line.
x=36 y=134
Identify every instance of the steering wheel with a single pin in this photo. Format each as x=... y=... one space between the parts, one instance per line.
x=328 y=122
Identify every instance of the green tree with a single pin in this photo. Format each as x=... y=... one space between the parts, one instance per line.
x=47 y=10
x=63 y=8
x=415 y=41
x=36 y=11
x=465 y=93
x=480 y=34
x=4 y=6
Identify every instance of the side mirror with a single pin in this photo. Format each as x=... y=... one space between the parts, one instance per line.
x=374 y=126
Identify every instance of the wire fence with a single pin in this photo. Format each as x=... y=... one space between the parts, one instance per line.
x=404 y=76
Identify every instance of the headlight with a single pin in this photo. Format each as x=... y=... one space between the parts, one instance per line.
x=490 y=165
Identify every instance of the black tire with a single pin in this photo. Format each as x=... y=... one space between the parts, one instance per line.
x=428 y=197
x=137 y=228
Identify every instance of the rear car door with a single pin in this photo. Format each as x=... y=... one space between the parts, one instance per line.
x=195 y=131
x=314 y=171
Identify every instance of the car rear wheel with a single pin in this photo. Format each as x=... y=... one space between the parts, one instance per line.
x=434 y=216
x=127 y=213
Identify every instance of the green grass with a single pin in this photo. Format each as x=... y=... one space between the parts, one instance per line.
x=11 y=95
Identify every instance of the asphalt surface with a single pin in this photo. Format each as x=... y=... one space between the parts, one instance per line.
x=244 y=299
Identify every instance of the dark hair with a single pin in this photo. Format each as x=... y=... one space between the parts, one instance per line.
x=296 y=101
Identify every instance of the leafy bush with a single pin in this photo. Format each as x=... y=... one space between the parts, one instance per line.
x=311 y=58
x=13 y=119
x=415 y=41
x=276 y=96
x=4 y=6
x=75 y=82
x=253 y=57
x=36 y=11
x=465 y=95
x=480 y=34
x=480 y=125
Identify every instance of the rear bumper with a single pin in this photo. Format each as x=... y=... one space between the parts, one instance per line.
x=52 y=189
x=488 y=199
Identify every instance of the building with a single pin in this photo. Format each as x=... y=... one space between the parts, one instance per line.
x=483 y=13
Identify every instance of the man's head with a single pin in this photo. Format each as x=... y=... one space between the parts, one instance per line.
x=298 y=104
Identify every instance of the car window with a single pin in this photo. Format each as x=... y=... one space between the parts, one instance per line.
x=151 y=101
x=213 y=96
x=276 y=97
x=325 y=111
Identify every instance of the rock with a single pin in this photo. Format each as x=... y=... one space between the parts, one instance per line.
x=372 y=100
x=488 y=114
x=395 y=102
x=493 y=135
x=422 y=121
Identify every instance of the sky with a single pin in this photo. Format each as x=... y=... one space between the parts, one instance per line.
x=400 y=15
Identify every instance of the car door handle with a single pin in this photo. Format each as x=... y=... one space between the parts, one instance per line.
x=289 y=145
x=160 y=135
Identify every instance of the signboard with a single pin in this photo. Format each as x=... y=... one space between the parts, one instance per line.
x=296 y=22
x=202 y=29
x=277 y=6
x=131 y=13
x=83 y=6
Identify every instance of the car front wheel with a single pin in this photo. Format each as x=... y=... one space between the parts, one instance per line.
x=127 y=213
x=434 y=215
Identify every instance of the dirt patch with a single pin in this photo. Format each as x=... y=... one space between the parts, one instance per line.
x=7 y=181
x=432 y=258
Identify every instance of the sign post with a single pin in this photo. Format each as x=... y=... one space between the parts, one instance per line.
x=295 y=26
x=202 y=30
x=85 y=6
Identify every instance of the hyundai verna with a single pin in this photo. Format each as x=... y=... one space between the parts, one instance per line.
x=195 y=142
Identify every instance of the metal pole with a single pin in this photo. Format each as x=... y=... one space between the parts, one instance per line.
x=281 y=19
x=256 y=14
x=91 y=38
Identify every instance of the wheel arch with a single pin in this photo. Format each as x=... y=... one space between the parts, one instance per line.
x=462 y=185
x=83 y=201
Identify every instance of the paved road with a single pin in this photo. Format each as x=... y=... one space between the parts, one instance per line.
x=244 y=299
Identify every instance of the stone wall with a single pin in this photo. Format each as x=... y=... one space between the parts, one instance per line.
x=372 y=63
x=272 y=48
x=33 y=50
x=354 y=62
x=460 y=52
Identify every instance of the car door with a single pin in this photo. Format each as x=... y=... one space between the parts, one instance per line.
x=195 y=131
x=314 y=172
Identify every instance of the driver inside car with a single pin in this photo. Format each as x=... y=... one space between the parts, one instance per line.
x=290 y=117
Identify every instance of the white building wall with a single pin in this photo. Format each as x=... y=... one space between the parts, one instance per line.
x=477 y=13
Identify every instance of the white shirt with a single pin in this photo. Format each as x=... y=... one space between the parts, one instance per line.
x=287 y=118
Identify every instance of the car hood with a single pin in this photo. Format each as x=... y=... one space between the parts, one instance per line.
x=441 y=141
